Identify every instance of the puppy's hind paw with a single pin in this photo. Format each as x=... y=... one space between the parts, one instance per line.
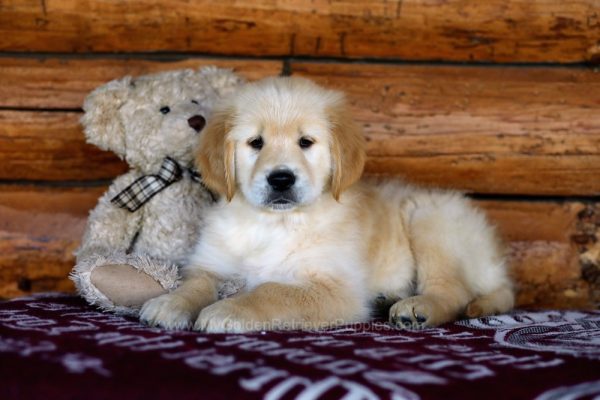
x=167 y=311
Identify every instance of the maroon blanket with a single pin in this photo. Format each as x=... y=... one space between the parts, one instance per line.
x=56 y=347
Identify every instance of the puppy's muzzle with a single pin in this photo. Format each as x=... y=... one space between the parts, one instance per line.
x=281 y=180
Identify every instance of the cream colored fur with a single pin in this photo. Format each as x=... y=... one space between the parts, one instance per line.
x=125 y=116
x=319 y=253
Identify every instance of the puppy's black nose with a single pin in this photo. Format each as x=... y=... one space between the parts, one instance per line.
x=197 y=122
x=281 y=180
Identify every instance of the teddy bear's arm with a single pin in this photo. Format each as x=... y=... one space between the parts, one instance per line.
x=110 y=229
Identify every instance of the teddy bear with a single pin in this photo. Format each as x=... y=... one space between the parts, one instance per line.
x=143 y=227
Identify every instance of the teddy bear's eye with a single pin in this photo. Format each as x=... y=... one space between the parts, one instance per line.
x=194 y=102
x=165 y=110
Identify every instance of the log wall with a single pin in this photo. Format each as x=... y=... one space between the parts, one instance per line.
x=499 y=98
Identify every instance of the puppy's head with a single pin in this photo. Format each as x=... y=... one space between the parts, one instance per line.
x=282 y=142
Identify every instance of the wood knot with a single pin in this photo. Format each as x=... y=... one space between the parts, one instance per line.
x=593 y=54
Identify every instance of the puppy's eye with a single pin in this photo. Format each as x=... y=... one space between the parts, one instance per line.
x=165 y=110
x=194 y=102
x=305 y=142
x=256 y=143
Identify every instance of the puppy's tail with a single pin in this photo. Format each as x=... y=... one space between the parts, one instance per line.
x=498 y=301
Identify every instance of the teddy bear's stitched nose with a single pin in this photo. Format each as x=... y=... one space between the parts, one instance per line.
x=197 y=122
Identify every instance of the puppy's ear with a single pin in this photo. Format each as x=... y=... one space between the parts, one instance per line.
x=215 y=154
x=101 y=121
x=347 y=149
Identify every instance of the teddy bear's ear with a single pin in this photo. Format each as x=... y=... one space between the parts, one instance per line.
x=222 y=80
x=102 y=124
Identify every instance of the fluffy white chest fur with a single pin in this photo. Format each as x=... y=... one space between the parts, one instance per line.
x=261 y=247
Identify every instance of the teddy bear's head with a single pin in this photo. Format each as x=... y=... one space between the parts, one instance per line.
x=148 y=118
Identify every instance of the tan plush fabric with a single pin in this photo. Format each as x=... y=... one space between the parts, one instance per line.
x=125 y=285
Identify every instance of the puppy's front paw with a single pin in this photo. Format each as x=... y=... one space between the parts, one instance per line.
x=417 y=312
x=167 y=311
x=226 y=316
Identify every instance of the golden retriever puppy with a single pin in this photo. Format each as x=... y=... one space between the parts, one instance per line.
x=314 y=247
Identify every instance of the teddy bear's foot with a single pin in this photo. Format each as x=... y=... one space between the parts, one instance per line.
x=125 y=285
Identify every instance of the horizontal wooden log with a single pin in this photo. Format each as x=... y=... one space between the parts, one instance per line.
x=40 y=227
x=50 y=146
x=458 y=30
x=39 y=230
x=545 y=257
x=32 y=264
x=487 y=130
x=63 y=83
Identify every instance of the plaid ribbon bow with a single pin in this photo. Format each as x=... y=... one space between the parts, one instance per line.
x=144 y=188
